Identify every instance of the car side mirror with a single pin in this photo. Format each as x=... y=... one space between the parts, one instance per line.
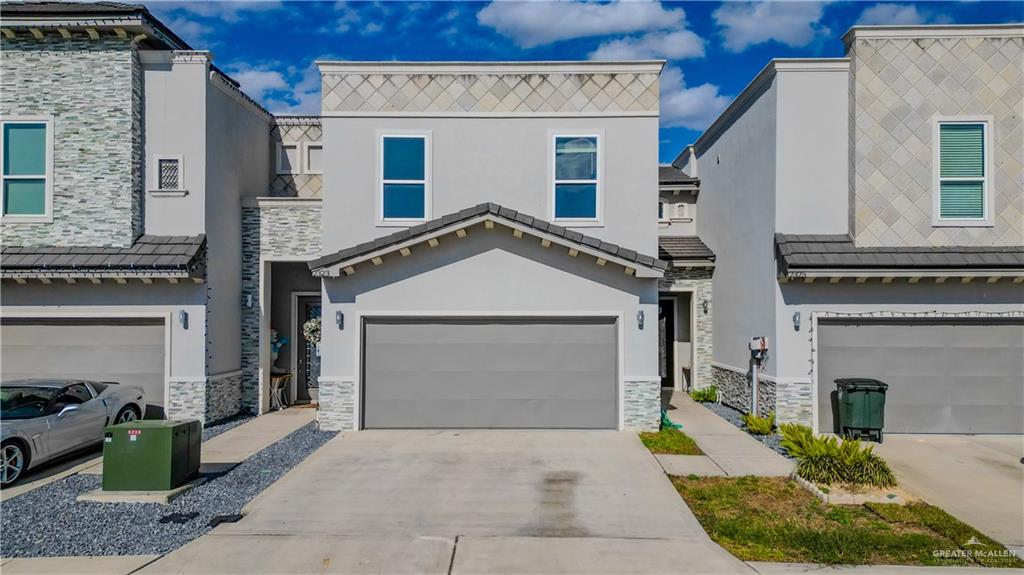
x=67 y=409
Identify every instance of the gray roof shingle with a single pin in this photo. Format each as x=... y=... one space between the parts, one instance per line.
x=173 y=255
x=670 y=175
x=684 y=248
x=803 y=252
x=451 y=220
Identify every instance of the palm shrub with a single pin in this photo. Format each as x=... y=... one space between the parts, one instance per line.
x=759 y=425
x=827 y=460
x=707 y=394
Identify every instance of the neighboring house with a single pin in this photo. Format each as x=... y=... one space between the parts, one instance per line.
x=868 y=215
x=125 y=155
x=484 y=244
x=684 y=305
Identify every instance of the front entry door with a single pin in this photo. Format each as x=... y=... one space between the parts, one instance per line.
x=308 y=360
x=666 y=339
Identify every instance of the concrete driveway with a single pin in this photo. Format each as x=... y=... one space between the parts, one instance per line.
x=977 y=478
x=465 y=502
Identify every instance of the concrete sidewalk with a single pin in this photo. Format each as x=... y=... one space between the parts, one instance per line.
x=109 y=565
x=728 y=448
x=235 y=446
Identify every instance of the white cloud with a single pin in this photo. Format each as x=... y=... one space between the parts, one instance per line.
x=194 y=32
x=532 y=24
x=372 y=28
x=685 y=107
x=227 y=11
x=257 y=82
x=899 y=14
x=748 y=23
x=672 y=45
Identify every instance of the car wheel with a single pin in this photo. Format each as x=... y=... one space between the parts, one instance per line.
x=127 y=413
x=13 y=460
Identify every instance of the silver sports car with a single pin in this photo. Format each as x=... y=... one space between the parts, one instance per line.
x=43 y=419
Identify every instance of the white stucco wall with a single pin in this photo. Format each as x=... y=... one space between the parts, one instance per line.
x=501 y=160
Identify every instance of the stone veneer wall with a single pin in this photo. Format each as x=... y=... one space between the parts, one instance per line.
x=336 y=404
x=898 y=86
x=734 y=389
x=93 y=90
x=223 y=395
x=269 y=232
x=699 y=280
x=187 y=399
x=794 y=402
x=641 y=408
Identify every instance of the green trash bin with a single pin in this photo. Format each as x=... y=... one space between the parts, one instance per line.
x=861 y=407
x=151 y=455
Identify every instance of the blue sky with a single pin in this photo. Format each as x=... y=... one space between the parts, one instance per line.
x=713 y=49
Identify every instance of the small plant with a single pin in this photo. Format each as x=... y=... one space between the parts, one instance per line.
x=827 y=460
x=705 y=394
x=759 y=425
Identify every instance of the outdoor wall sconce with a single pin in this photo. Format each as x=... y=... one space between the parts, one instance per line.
x=704 y=305
x=183 y=318
x=796 y=321
x=640 y=319
x=339 y=318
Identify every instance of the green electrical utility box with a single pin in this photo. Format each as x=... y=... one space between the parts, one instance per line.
x=150 y=455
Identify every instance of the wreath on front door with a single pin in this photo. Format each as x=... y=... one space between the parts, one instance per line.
x=311 y=329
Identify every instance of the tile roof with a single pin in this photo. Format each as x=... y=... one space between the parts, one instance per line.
x=684 y=248
x=798 y=252
x=149 y=256
x=457 y=218
x=669 y=175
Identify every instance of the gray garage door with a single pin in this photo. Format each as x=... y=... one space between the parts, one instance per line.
x=954 y=377
x=448 y=373
x=125 y=351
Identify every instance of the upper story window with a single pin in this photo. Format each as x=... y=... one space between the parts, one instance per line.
x=27 y=156
x=168 y=176
x=962 y=180
x=289 y=158
x=404 y=180
x=577 y=176
x=314 y=158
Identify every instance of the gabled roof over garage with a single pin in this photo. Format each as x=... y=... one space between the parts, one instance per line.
x=489 y=214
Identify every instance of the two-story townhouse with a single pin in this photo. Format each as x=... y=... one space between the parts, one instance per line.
x=125 y=155
x=868 y=214
x=484 y=243
x=684 y=304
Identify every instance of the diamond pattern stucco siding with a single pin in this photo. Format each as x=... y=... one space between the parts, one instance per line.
x=898 y=87
x=297 y=130
x=490 y=93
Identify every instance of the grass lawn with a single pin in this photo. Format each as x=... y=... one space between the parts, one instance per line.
x=774 y=519
x=670 y=441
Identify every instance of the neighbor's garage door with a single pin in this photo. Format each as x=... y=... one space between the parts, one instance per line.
x=953 y=377
x=488 y=373
x=121 y=350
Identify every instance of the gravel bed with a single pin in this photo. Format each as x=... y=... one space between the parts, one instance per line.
x=48 y=522
x=735 y=417
x=227 y=424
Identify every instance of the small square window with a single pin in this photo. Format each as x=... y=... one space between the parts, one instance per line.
x=289 y=160
x=404 y=179
x=169 y=174
x=576 y=178
x=26 y=148
x=314 y=158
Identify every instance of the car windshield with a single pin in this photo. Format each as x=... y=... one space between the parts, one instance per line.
x=25 y=402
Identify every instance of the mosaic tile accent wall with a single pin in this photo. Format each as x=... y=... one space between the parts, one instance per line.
x=897 y=87
x=337 y=405
x=97 y=163
x=490 y=93
x=300 y=129
x=269 y=232
x=794 y=402
x=223 y=396
x=641 y=409
x=187 y=399
x=700 y=281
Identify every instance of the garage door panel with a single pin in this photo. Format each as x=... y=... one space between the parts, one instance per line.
x=127 y=354
x=491 y=373
x=943 y=377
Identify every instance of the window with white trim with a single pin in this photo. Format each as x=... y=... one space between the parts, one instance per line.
x=662 y=215
x=26 y=148
x=576 y=186
x=962 y=165
x=404 y=178
x=289 y=158
x=314 y=158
